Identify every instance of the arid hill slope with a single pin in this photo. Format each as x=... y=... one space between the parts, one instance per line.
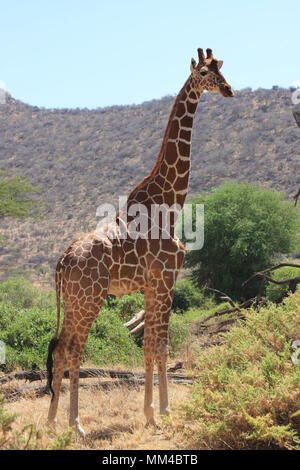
x=82 y=158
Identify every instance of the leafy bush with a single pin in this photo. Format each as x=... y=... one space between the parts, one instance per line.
x=20 y=292
x=179 y=332
x=28 y=321
x=275 y=292
x=248 y=395
x=15 y=200
x=109 y=342
x=187 y=295
x=128 y=305
x=26 y=333
x=244 y=228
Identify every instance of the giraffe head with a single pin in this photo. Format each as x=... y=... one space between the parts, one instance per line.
x=207 y=76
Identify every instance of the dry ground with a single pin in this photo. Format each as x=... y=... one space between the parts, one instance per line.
x=112 y=419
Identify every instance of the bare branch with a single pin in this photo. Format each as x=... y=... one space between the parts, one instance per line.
x=262 y=274
x=237 y=308
x=223 y=296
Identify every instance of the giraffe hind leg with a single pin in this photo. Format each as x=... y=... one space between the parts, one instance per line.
x=74 y=355
x=59 y=367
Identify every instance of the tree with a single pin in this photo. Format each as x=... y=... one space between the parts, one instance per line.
x=244 y=228
x=16 y=197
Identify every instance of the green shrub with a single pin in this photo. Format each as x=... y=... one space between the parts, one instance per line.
x=28 y=322
x=110 y=343
x=20 y=292
x=248 y=394
x=245 y=226
x=26 y=333
x=179 y=332
x=275 y=292
x=187 y=295
x=16 y=197
x=128 y=305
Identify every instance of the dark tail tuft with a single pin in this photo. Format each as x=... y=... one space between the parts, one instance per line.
x=54 y=341
x=49 y=364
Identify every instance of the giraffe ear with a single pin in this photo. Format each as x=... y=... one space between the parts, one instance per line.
x=220 y=63
x=193 y=65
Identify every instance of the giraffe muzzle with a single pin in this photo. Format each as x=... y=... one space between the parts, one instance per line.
x=226 y=91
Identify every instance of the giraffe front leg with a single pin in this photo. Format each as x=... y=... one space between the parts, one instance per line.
x=161 y=360
x=155 y=349
x=148 y=403
x=158 y=305
x=161 y=337
x=149 y=357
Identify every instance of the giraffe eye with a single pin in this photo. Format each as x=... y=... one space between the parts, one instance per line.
x=203 y=72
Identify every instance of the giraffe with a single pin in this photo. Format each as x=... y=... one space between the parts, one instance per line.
x=98 y=264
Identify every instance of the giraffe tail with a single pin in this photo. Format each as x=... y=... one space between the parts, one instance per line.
x=54 y=341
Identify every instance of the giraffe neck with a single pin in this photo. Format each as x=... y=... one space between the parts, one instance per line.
x=172 y=168
x=167 y=183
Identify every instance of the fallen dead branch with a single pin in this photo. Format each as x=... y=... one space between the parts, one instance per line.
x=138 y=330
x=117 y=379
x=38 y=391
x=136 y=324
x=296 y=114
x=179 y=365
x=135 y=321
x=34 y=375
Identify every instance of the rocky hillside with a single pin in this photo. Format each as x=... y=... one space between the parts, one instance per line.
x=81 y=158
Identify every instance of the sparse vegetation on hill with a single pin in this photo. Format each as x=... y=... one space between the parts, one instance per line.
x=82 y=158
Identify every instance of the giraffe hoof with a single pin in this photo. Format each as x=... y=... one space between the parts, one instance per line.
x=51 y=423
x=80 y=431
x=151 y=423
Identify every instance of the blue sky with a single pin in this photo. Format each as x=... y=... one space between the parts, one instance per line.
x=91 y=53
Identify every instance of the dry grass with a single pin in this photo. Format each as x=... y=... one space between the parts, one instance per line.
x=112 y=419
